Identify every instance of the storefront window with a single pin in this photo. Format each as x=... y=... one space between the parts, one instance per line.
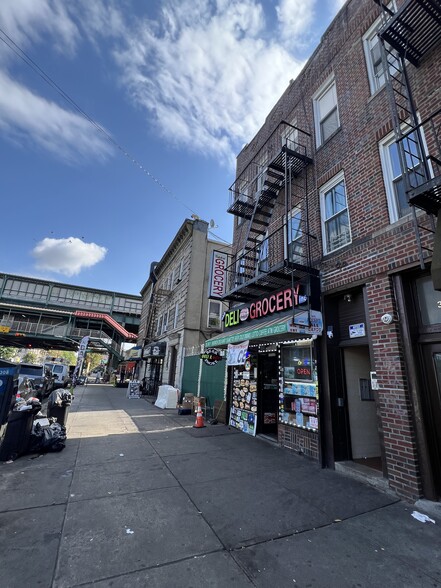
x=299 y=396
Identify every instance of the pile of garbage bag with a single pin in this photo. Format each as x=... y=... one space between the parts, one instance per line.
x=47 y=438
x=33 y=404
x=60 y=397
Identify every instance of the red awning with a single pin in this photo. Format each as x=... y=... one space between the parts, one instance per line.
x=109 y=320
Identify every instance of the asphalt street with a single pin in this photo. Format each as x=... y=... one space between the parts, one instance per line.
x=141 y=498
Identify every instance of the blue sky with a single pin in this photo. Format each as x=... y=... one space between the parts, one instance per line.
x=179 y=86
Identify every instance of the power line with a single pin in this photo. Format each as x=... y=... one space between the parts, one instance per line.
x=39 y=71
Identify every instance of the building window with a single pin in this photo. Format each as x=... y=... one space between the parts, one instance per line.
x=263 y=255
x=240 y=267
x=260 y=173
x=429 y=301
x=241 y=193
x=171 y=317
x=326 y=112
x=214 y=314
x=372 y=51
x=159 y=326
x=165 y=322
x=393 y=177
x=180 y=272
x=175 y=320
x=335 y=216
x=294 y=237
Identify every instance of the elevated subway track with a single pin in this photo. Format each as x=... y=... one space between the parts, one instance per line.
x=49 y=315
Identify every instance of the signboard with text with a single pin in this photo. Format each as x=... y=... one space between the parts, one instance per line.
x=133 y=390
x=218 y=275
x=237 y=354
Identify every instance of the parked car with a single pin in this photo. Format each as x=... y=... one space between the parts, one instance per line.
x=81 y=380
x=33 y=380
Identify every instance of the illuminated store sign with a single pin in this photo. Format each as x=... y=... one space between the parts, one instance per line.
x=266 y=306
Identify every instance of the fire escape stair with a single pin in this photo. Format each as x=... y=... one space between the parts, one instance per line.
x=406 y=36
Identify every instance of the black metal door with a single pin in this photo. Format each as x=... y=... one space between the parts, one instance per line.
x=268 y=401
x=431 y=400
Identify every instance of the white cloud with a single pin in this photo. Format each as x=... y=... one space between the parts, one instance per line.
x=26 y=117
x=67 y=256
x=31 y=21
x=296 y=18
x=207 y=73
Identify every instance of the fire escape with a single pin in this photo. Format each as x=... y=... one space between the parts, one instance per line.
x=157 y=296
x=406 y=37
x=273 y=253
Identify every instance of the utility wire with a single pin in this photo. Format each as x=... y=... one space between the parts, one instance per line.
x=39 y=71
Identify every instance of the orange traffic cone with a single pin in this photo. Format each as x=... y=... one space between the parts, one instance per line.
x=199 y=424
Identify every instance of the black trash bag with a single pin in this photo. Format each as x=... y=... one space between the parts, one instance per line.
x=59 y=397
x=49 y=438
x=35 y=403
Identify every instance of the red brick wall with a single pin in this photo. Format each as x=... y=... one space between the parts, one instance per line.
x=377 y=247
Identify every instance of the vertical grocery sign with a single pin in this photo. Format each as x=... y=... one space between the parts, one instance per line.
x=218 y=275
x=81 y=355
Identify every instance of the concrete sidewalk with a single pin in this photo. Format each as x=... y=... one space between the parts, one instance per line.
x=140 y=498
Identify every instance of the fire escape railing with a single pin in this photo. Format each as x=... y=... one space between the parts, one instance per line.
x=406 y=36
x=266 y=259
x=269 y=265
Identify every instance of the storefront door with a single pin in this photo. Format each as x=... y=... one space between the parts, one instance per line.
x=268 y=401
x=432 y=408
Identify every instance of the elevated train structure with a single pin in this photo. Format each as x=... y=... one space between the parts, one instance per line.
x=41 y=314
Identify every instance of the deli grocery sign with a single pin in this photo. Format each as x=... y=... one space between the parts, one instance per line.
x=265 y=306
x=218 y=275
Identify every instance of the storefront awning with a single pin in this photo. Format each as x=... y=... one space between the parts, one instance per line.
x=279 y=326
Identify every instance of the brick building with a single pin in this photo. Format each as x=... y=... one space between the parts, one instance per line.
x=335 y=198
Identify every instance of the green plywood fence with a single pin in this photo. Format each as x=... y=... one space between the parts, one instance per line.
x=212 y=381
x=190 y=375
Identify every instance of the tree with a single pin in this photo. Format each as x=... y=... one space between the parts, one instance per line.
x=30 y=357
x=7 y=353
x=70 y=357
x=93 y=360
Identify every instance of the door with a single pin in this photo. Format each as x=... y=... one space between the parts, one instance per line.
x=268 y=400
x=362 y=409
x=431 y=401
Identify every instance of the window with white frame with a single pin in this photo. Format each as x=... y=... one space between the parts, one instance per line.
x=393 y=177
x=240 y=267
x=159 y=326
x=372 y=51
x=335 y=215
x=164 y=322
x=214 y=314
x=171 y=317
x=263 y=254
x=326 y=112
x=294 y=237
x=175 y=320
x=181 y=271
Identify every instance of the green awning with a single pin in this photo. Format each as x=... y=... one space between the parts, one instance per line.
x=279 y=326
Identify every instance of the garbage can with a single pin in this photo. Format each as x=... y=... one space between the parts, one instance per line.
x=17 y=436
x=58 y=405
x=59 y=412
